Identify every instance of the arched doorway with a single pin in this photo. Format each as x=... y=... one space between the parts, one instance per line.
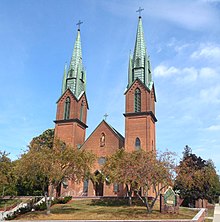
x=99 y=183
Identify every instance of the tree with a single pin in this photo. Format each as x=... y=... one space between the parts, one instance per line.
x=30 y=180
x=196 y=179
x=45 y=140
x=54 y=163
x=6 y=174
x=141 y=170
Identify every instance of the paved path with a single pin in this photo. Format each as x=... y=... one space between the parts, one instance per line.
x=217 y=213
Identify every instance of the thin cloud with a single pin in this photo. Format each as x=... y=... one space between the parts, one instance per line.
x=187 y=74
x=207 y=51
x=164 y=71
x=210 y=95
x=213 y=128
x=208 y=72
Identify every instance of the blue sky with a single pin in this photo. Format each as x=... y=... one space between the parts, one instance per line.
x=37 y=38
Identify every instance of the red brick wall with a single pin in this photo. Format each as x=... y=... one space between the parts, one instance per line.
x=71 y=132
x=141 y=126
x=147 y=98
x=75 y=107
x=112 y=144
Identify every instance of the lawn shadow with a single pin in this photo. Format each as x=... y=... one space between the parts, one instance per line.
x=115 y=201
x=64 y=210
x=109 y=202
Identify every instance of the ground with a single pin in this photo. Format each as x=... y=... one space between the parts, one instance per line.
x=8 y=203
x=103 y=210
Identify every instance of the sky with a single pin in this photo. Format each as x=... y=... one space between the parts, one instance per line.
x=182 y=37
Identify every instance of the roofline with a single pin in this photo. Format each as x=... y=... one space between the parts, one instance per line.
x=120 y=137
x=77 y=99
x=137 y=79
x=64 y=93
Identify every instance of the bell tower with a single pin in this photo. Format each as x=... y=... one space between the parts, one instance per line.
x=140 y=98
x=70 y=123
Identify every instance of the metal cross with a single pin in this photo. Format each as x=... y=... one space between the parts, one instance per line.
x=79 y=23
x=139 y=10
x=105 y=116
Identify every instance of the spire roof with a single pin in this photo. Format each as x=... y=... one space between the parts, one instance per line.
x=139 y=65
x=140 y=45
x=64 y=79
x=75 y=78
x=77 y=52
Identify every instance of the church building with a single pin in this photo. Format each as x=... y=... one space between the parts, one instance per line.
x=71 y=117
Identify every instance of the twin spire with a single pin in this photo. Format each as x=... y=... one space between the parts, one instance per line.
x=75 y=77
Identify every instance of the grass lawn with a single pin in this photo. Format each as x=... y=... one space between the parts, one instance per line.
x=87 y=209
x=8 y=203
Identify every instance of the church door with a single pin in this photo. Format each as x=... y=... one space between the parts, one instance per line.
x=99 y=189
x=99 y=184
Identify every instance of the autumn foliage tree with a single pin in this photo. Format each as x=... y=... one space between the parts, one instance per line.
x=30 y=179
x=53 y=163
x=196 y=178
x=141 y=170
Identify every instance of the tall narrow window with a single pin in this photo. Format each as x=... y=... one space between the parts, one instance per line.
x=115 y=187
x=85 y=186
x=67 y=108
x=82 y=75
x=137 y=144
x=138 y=60
x=102 y=140
x=81 y=111
x=137 y=100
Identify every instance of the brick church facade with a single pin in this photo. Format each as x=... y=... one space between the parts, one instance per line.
x=71 y=117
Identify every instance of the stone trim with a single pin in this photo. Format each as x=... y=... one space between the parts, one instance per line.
x=71 y=120
x=150 y=113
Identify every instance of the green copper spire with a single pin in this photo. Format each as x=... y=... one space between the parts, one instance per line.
x=76 y=75
x=130 y=70
x=139 y=65
x=64 y=79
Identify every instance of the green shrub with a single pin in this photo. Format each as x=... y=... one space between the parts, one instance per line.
x=41 y=206
x=62 y=200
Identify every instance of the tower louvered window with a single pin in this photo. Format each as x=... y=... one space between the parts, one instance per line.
x=67 y=108
x=137 y=144
x=137 y=100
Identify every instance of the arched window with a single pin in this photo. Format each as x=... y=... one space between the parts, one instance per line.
x=137 y=144
x=102 y=140
x=67 y=108
x=137 y=100
x=81 y=111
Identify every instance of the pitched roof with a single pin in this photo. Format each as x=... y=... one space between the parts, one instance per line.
x=120 y=137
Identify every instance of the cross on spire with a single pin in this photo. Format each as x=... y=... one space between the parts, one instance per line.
x=105 y=116
x=79 y=23
x=139 y=11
